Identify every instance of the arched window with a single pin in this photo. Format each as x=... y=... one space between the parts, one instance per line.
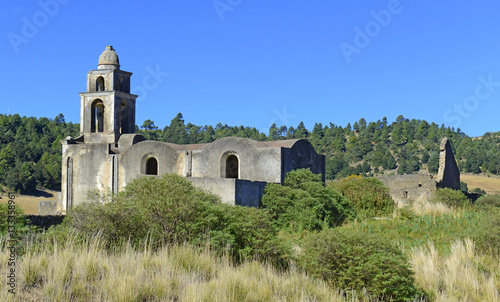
x=122 y=84
x=99 y=84
x=152 y=166
x=97 y=116
x=232 y=166
x=124 y=127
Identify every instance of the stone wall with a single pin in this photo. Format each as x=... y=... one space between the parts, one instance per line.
x=133 y=161
x=448 y=174
x=45 y=221
x=302 y=155
x=85 y=167
x=254 y=162
x=416 y=187
x=232 y=191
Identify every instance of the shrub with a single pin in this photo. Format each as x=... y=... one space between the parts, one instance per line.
x=304 y=203
x=20 y=220
x=488 y=202
x=349 y=259
x=248 y=231
x=450 y=197
x=169 y=210
x=479 y=191
x=368 y=196
x=463 y=187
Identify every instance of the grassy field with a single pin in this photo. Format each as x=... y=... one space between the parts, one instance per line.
x=175 y=273
x=73 y=272
x=490 y=184
x=29 y=203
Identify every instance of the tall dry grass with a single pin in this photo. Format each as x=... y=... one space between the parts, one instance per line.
x=430 y=208
x=461 y=275
x=177 y=273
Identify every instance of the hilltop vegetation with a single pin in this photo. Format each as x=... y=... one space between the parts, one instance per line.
x=30 y=149
x=405 y=146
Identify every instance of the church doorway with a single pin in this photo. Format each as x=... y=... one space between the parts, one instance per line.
x=232 y=166
x=152 y=166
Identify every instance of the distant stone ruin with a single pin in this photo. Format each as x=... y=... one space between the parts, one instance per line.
x=448 y=174
x=418 y=187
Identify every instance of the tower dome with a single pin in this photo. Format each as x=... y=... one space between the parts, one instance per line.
x=109 y=59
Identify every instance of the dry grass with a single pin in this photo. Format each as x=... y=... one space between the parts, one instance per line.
x=490 y=184
x=430 y=208
x=462 y=275
x=177 y=273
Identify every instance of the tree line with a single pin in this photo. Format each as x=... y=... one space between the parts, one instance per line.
x=30 y=149
x=404 y=146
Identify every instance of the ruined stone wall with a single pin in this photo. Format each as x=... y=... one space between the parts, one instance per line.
x=302 y=155
x=448 y=174
x=416 y=187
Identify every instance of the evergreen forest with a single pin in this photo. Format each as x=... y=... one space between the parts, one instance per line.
x=30 y=148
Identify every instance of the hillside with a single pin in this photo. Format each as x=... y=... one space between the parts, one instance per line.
x=490 y=184
x=403 y=146
x=30 y=150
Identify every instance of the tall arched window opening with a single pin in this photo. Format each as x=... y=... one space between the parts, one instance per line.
x=99 y=85
x=97 y=124
x=232 y=166
x=152 y=166
x=124 y=127
x=69 y=184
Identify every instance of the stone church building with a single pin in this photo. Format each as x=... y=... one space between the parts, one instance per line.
x=108 y=153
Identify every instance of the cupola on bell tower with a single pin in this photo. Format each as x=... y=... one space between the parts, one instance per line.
x=107 y=108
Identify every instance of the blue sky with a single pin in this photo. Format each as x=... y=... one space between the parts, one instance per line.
x=253 y=63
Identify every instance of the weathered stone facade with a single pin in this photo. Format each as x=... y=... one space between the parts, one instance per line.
x=108 y=154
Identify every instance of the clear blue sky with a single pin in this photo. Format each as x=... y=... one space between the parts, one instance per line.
x=253 y=63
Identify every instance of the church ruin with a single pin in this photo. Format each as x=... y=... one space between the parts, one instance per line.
x=108 y=153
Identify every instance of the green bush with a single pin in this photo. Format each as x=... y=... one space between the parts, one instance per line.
x=450 y=197
x=304 y=203
x=368 y=196
x=248 y=231
x=20 y=221
x=358 y=261
x=479 y=191
x=488 y=202
x=463 y=187
x=169 y=210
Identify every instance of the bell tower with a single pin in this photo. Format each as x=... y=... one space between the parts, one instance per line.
x=107 y=108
